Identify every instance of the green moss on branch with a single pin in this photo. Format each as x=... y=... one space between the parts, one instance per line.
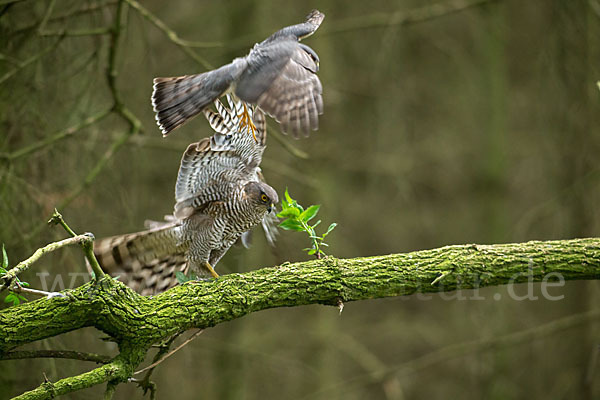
x=137 y=322
x=116 y=310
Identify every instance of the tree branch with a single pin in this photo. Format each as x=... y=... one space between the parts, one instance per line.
x=11 y=274
x=116 y=371
x=159 y=359
x=87 y=246
x=378 y=372
x=136 y=322
x=184 y=45
x=382 y=20
x=29 y=61
x=60 y=135
x=68 y=354
x=126 y=316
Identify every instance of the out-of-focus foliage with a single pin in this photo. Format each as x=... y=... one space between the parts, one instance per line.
x=477 y=126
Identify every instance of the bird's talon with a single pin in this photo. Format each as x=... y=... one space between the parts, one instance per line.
x=247 y=121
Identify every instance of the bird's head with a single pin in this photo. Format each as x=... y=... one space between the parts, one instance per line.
x=261 y=195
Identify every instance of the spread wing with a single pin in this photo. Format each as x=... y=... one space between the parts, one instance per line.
x=299 y=31
x=214 y=167
x=282 y=80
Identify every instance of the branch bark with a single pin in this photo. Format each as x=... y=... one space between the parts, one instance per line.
x=69 y=354
x=137 y=322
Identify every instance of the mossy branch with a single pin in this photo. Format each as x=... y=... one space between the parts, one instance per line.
x=126 y=316
x=9 y=277
x=137 y=322
x=65 y=354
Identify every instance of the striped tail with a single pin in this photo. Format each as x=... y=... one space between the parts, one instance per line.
x=145 y=261
x=178 y=99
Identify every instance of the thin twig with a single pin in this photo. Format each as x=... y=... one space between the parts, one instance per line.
x=370 y=363
x=18 y=288
x=287 y=145
x=46 y=16
x=30 y=60
x=8 y=2
x=184 y=45
x=154 y=364
x=595 y=6
x=593 y=363
x=111 y=386
x=463 y=349
x=91 y=176
x=486 y=344
x=60 y=135
x=111 y=69
x=84 y=10
x=112 y=72
x=88 y=247
x=383 y=20
x=77 y=32
x=146 y=384
x=24 y=265
x=12 y=60
x=68 y=14
x=68 y=354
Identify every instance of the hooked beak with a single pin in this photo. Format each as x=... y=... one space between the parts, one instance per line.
x=271 y=208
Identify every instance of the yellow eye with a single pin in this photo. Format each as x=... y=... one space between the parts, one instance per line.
x=264 y=197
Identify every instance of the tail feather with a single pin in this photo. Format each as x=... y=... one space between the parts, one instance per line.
x=178 y=99
x=145 y=261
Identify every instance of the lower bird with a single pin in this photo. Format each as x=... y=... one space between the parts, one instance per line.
x=220 y=195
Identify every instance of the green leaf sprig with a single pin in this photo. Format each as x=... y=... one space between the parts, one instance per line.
x=297 y=218
x=11 y=297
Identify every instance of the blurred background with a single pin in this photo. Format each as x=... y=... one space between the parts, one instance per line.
x=446 y=122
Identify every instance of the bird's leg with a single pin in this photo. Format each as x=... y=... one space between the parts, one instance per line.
x=247 y=121
x=206 y=265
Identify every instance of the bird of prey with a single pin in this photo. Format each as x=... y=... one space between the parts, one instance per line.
x=279 y=75
x=220 y=195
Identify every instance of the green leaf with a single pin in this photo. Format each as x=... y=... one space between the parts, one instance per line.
x=288 y=199
x=12 y=298
x=312 y=252
x=182 y=278
x=331 y=227
x=317 y=223
x=284 y=205
x=291 y=225
x=309 y=213
x=4 y=258
x=289 y=212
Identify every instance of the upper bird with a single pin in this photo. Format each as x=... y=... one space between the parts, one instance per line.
x=279 y=75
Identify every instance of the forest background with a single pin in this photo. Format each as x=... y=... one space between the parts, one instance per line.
x=445 y=122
